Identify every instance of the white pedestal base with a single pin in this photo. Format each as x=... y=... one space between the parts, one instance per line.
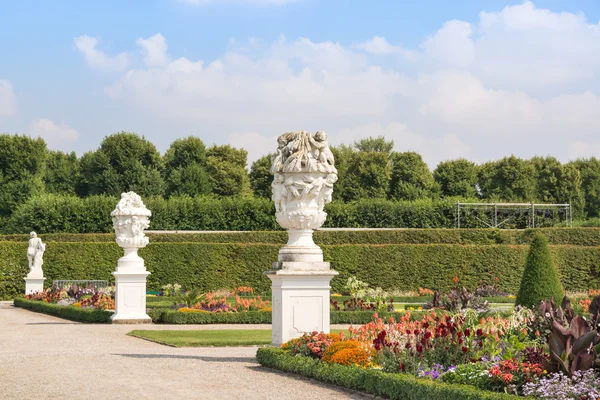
x=300 y=300
x=34 y=285
x=130 y=298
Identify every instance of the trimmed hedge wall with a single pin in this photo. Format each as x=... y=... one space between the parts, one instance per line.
x=555 y=236
x=62 y=213
x=67 y=312
x=387 y=385
x=211 y=266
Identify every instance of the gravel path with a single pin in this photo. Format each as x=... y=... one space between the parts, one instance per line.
x=51 y=358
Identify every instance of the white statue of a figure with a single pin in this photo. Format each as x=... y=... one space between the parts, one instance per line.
x=35 y=253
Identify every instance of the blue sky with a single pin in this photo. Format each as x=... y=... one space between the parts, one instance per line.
x=475 y=79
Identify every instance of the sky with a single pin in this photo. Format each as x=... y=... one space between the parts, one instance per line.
x=475 y=79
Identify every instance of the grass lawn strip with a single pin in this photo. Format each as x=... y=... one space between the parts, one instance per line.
x=207 y=338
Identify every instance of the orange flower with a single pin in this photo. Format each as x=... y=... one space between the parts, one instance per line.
x=455 y=279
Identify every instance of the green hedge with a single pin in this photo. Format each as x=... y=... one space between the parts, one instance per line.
x=62 y=213
x=211 y=266
x=555 y=236
x=387 y=385
x=67 y=312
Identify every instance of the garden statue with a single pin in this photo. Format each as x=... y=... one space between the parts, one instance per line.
x=130 y=218
x=304 y=174
x=34 y=282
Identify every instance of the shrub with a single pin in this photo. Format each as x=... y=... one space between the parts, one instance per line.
x=540 y=279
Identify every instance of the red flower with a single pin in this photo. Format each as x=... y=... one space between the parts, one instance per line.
x=507 y=378
x=465 y=349
x=419 y=348
x=495 y=371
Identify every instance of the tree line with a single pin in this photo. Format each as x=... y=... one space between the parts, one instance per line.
x=367 y=169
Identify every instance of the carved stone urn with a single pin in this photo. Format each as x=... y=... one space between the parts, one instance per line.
x=130 y=218
x=304 y=174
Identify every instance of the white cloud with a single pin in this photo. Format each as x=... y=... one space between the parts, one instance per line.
x=8 y=101
x=154 y=50
x=379 y=46
x=98 y=59
x=522 y=80
x=246 y=2
x=55 y=134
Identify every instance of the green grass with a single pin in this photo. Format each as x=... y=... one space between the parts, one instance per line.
x=206 y=338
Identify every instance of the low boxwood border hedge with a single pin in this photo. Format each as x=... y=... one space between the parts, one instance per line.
x=67 y=312
x=262 y=317
x=388 y=385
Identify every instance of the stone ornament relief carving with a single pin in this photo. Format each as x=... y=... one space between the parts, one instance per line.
x=130 y=218
x=304 y=173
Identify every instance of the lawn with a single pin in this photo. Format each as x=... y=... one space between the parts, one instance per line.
x=205 y=338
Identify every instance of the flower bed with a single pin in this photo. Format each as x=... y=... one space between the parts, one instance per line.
x=67 y=312
x=548 y=353
x=388 y=385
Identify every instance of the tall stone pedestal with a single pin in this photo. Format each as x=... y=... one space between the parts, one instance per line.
x=34 y=285
x=130 y=290
x=300 y=300
x=130 y=298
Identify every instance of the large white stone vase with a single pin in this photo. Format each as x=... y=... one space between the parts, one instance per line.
x=304 y=174
x=130 y=219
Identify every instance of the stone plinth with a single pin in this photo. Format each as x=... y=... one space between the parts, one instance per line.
x=34 y=285
x=300 y=301
x=130 y=298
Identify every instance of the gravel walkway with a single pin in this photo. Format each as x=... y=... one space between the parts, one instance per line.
x=43 y=357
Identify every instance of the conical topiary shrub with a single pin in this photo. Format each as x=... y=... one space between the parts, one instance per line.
x=540 y=279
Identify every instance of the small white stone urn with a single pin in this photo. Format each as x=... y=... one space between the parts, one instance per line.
x=130 y=218
x=34 y=282
x=304 y=174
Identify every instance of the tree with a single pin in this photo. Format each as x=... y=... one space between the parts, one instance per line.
x=508 y=179
x=411 y=178
x=557 y=183
x=589 y=172
x=374 y=145
x=457 y=178
x=124 y=162
x=367 y=176
x=185 y=168
x=540 y=279
x=22 y=161
x=260 y=176
x=226 y=167
x=61 y=173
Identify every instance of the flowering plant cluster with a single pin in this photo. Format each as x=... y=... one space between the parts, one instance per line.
x=583 y=385
x=225 y=303
x=514 y=374
x=78 y=296
x=172 y=289
x=355 y=304
x=312 y=344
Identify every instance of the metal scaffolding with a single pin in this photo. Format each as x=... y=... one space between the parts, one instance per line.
x=497 y=215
